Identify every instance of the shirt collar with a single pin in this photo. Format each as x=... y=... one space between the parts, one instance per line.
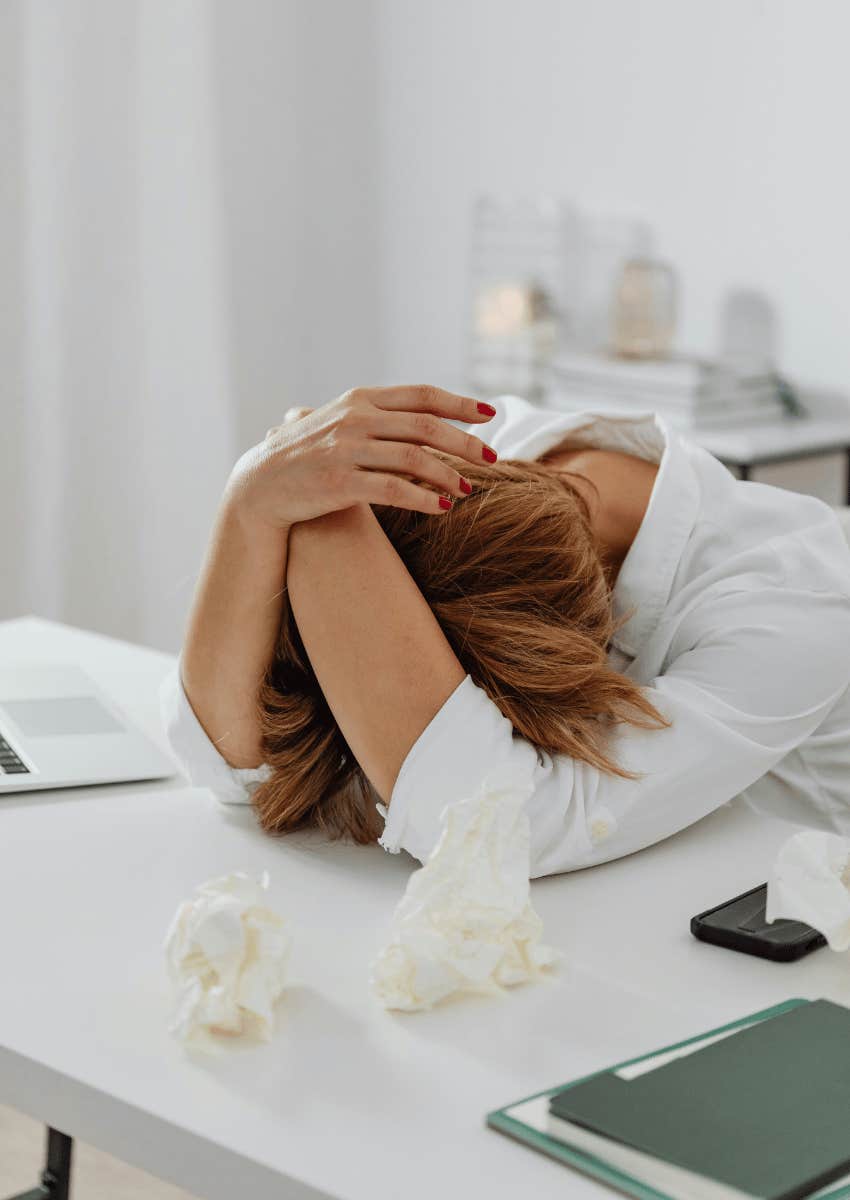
x=646 y=575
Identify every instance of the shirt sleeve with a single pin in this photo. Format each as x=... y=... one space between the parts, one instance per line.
x=751 y=674
x=201 y=762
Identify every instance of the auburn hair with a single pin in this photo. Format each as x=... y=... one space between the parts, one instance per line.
x=514 y=575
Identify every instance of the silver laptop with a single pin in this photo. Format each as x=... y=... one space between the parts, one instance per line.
x=58 y=729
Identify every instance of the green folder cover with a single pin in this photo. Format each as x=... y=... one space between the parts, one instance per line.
x=600 y=1088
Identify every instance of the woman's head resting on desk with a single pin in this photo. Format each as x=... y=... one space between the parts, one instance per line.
x=514 y=576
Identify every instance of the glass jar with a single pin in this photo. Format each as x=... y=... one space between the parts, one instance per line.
x=643 y=314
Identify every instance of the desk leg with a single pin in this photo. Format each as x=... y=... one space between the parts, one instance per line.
x=744 y=470
x=56 y=1176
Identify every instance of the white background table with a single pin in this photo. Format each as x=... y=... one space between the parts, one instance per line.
x=784 y=440
x=347 y=1100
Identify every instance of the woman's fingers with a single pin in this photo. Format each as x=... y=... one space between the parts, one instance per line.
x=374 y=487
x=375 y=446
x=429 y=430
x=291 y=414
x=409 y=459
x=422 y=398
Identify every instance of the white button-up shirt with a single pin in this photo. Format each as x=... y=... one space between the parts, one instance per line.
x=741 y=630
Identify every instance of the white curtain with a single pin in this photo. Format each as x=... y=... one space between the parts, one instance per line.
x=127 y=431
x=188 y=244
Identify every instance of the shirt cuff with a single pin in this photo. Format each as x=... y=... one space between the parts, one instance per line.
x=464 y=742
x=203 y=765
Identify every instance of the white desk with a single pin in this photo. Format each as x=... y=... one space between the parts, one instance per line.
x=348 y=1100
x=825 y=429
x=785 y=440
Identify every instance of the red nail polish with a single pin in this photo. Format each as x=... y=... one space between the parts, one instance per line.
x=465 y=486
x=489 y=455
x=487 y=409
x=444 y=503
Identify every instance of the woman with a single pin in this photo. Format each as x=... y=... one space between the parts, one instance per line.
x=592 y=598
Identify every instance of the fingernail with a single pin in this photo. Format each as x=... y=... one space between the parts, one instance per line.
x=489 y=455
x=444 y=503
x=465 y=486
x=487 y=409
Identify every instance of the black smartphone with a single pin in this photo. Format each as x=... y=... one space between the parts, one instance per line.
x=740 y=924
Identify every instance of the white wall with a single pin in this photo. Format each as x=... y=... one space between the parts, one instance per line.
x=295 y=104
x=720 y=122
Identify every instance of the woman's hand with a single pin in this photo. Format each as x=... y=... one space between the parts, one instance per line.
x=369 y=446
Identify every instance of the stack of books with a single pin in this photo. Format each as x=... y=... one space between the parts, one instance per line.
x=690 y=393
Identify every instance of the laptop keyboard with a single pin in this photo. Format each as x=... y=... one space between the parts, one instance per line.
x=10 y=764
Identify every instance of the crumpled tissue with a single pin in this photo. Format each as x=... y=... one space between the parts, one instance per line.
x=810 y=882
x=226 y=954
x=465 y=922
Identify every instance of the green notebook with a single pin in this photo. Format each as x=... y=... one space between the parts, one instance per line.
x=763 y=1112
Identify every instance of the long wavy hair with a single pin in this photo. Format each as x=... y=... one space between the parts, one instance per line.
x=514 y=576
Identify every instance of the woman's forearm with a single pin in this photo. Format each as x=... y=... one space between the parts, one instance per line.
x=379 y=654
x=233 y=627
x=367 y=446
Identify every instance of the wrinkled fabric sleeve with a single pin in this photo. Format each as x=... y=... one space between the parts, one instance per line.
x=200 y=761
x=750 y=676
